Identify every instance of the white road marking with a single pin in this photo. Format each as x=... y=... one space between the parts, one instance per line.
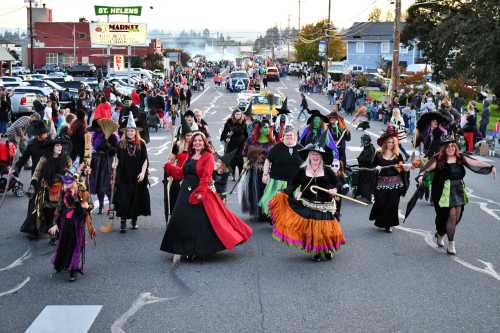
x=141 y=301
x=483 y=205
x=65 y=318
x=158 y=138
x=199 y=96
x=16 y=288
x=18 y=262
x=428 y=236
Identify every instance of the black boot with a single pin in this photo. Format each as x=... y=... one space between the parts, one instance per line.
x=328 y=256
x=72 y=276
x=123 y=226
x=316 y=257
x=134 y=224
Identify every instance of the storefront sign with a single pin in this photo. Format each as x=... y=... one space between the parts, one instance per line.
x=105 y=10
x=118 y=63
x=118 y=33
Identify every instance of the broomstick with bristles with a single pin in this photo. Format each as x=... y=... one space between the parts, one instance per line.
x=360 y=113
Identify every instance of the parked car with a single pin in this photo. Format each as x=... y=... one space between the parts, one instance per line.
x=273 y=74
x=75 y=85
x=22 y=103
x=6 y=79
x=376 y=81
x=49 y=68
x=18 y=70
x=294 y=68
x=66 y=95
x=82 y=70
x=356 y=69
x=237 y=81
x=37 y=77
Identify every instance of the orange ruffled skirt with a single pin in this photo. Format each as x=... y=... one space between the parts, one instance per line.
x=312 y=235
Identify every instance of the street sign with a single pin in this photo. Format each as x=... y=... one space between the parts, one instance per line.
x=118 y=63
x=131 y=10
x=118 y=33
x=322 y=48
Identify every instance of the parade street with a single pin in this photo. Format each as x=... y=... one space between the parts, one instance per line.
x=379 y=282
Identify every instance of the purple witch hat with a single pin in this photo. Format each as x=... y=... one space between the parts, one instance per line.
x=72 y=173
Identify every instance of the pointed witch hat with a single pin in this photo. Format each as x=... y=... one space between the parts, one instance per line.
x=131 y=121
x=228 y=157
x=284 y=107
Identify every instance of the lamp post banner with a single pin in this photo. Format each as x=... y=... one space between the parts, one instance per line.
x=106 y=10
x=118 y=33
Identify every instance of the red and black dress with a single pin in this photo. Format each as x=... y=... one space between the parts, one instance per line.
x=202 y=226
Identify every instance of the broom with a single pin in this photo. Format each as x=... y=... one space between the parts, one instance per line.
x=360 y=113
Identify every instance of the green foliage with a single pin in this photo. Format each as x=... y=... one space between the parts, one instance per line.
x=361 y=80
x=154 y=61
x=458 y=85
x=307 y=44
x=460 y=38
x=136 y=61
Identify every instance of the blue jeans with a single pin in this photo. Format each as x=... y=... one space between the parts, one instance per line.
x=302 y=112
x=3 y=127
x=332 y=99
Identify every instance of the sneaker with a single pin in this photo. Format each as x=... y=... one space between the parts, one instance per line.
x=316 y=258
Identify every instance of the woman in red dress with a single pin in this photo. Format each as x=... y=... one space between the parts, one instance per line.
x=200 y=224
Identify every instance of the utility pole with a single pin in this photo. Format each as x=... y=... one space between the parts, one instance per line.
x=328 y=36
x=74 y=44
x=288 y=40
x=32 y=60
x=395 y=50
x=299 y=16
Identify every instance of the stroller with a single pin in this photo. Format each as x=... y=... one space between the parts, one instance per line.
x=7 y=153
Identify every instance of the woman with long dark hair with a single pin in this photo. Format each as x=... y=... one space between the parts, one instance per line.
x=448 y=188
x=200 y=224
x=234 y=136
x=132 y=195
x=392 y=182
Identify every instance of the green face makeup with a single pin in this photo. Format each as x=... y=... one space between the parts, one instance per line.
x=316 y=122
x=264 y=131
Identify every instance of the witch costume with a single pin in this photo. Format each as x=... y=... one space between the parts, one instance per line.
x=131 y=197
x=366 y=179
x=449 y=190
x=45 y=191
x=235 y=135
x=285 y=163
x=172 y=173
x=201 y=227
x=256 y=151
x=71 y=219
x=103 y=152
x=316 y=133
x=304 y=218
x=392 y=183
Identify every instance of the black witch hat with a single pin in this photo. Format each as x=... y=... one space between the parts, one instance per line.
x=284 y=107
x=326 y=153
x=228 y=157
x=316 y=113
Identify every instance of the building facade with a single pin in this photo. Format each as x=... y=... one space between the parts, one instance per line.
x=369 y=44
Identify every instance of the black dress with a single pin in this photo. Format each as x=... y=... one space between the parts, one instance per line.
x=131 y=197
x=189 y=231
x=390 y=187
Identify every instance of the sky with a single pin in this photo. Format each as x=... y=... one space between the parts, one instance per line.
x=238 y=18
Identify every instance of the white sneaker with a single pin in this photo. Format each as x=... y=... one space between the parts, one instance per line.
x=176 y=258
x=451 y=248
x=440 y=240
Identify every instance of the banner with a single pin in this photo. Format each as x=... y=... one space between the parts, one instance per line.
x=322 y=48
x=118 y=33
x=105 y=10
x=118 y=63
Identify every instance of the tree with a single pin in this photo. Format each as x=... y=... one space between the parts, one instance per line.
x=136 y=61
x=460 y=39
x=307 y=44
x=374 y=15
x=389 y=16
x=154 y=61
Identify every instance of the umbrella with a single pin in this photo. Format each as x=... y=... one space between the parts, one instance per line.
x=20 y=124
x=425 y=120
x=413 y=201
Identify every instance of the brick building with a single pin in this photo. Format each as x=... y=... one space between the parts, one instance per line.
x=66 y=43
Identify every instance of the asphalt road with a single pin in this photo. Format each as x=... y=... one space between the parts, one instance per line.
x=379 y=282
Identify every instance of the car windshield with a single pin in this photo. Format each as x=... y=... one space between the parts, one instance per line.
x=238 y=75
x=265 y=100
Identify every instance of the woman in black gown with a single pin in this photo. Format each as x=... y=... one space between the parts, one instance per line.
x=200 y=224
x=392 y=182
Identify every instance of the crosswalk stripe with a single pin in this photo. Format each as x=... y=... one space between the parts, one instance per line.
x=65 y=318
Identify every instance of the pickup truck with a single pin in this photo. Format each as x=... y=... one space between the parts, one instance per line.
x=22 y=104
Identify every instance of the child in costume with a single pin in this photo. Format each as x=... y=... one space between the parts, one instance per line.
x=71 y=216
